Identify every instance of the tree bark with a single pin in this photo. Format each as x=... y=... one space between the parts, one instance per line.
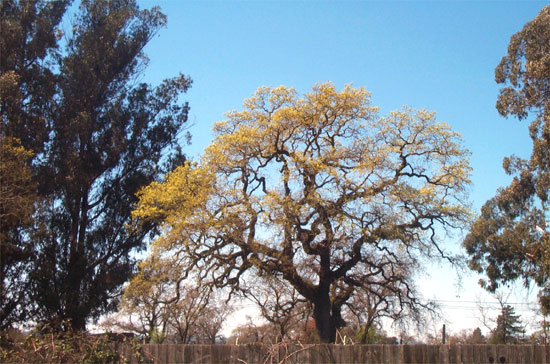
x=323 y=318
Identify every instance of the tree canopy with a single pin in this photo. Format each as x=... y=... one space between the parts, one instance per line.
x=29 y=36
x=99 y=135
x=17 y=199
x=28 y=42
x=318 y=191
x=511 y=238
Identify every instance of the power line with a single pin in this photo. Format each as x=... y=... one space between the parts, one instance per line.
x=488 y=303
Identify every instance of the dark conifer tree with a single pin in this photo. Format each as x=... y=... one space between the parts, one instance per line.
x=508 y=328
x=28 y=40
x=97 y=135
x=109 y=137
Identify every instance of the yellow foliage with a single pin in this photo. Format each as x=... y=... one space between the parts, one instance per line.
x=185 y=190
x=17 y=196
x=289 y=180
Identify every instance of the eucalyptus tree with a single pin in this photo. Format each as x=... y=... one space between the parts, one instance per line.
x=109 y=136
x=510 y=240
x=28 y=43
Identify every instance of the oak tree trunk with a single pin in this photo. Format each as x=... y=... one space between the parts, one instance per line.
x=326 y=329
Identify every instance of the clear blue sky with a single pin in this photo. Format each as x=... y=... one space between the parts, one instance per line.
x=438 y=55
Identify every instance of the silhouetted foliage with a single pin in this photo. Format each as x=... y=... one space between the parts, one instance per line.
x=28 y=39
x=100 y=136
x=508 y=328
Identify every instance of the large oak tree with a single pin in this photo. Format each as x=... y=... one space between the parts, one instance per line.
x=318 y=191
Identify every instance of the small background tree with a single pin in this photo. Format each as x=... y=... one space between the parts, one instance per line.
x=509 y=329
x=280 y=305
x=161 y=305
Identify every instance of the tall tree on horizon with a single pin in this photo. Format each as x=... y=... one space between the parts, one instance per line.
x=508 y=328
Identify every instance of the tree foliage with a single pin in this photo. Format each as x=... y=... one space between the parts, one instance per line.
x=463 y=337
x=17 y=199
x=511 y=238
x=28 y=38
x=317 y=191
x=100 y=136
x=508 y=328
x=476 y=337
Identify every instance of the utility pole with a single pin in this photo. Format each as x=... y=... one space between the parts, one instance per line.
x=444 y=334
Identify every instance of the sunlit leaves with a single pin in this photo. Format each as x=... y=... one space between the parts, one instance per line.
x=317 y=190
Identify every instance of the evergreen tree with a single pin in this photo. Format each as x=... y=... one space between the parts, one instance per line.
x=511 y=238
x=508 y=328
x=476 y=337
x=100 y=136
x=108 y=140
x=28 y=39
x=29 y=36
